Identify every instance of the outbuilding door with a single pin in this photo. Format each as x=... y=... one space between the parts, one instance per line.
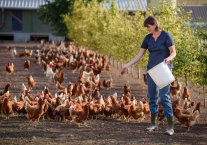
x=17 y=21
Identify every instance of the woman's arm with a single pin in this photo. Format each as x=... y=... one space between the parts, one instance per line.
x=134 y=60
x=172 y=54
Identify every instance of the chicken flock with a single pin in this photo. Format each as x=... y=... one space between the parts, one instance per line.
x=82 y=100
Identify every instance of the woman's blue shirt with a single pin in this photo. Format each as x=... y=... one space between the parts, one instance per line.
x=158 y=49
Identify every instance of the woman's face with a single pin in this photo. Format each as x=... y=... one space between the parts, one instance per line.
x=151 y=28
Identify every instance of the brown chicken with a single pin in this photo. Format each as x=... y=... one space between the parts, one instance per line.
x=197 y=107
x=27 y=64
x=31 y=82
x=31 y=101
x=62 y=109
x=7 y=94
x=75 y=88
x=19 y=106
x=146 y=107
x=186 y=93
x=59 y=86
x=59 y=76
x=97 y=70
x=125 y=109
x=10 y=67
x=95 y=109
x=107 y=83
x=69 y=90
x=108 y=110
x=127 y=91
x=126 y=100
x=23 y=54
x=80 y=90
x=145 y=78
x=51 y=104
x=186 y=119
x=116 y=107
x=95 y=93
x=175 y=104
x=9 y=48
x=73 y=66
x=173 y=83
x=80 y=116
x=36 y=111
x=5 y=89
x=6 y=107
x=137 y=112
x=175 y=90
x=28 y=53
x=81 y=79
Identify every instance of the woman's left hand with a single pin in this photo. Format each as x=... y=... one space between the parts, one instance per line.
x=167 y=60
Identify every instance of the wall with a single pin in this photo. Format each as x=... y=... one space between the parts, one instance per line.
x=30 y=22
x=31 y=25
x=7 y=21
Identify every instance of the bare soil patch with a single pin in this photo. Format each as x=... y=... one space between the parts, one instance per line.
x=19 y=130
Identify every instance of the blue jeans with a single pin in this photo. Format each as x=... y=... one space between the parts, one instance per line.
x=153 y=92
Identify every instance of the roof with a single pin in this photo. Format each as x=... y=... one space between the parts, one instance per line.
x=128 y=5
x=197 y=12
x=21 y=4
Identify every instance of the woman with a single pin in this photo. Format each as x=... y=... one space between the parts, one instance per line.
x=161 y=47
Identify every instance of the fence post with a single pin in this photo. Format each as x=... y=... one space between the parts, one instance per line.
x=132 y=71
x=138 y=73
x=109 y=59
x=204 y=96
x=117 y=64
x=113 y=61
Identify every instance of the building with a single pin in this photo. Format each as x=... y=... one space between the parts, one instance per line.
x=198 y=13
x=19 y=21
x=135 y=5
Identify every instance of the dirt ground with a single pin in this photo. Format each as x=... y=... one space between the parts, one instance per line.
x=19 y=130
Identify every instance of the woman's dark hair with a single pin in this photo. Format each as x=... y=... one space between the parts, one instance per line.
x=152 y=21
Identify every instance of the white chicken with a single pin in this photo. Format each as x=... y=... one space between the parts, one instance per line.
x=24 y=88
x=49 y=72
x=13 y=52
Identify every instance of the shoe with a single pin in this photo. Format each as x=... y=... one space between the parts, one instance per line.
x=169 y=131
x=153 y=126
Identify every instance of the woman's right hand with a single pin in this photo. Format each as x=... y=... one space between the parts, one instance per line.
x=123 y=70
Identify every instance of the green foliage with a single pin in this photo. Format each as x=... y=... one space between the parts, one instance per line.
x=51 y=13
x=119 y=34
x=200 y=76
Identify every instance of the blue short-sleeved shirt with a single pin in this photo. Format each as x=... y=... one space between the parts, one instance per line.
x=158 y=49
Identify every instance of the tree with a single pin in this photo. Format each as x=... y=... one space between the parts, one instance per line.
x=118 y=34
x=51 y=13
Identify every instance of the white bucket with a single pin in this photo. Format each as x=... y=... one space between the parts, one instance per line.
x=161 y=75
